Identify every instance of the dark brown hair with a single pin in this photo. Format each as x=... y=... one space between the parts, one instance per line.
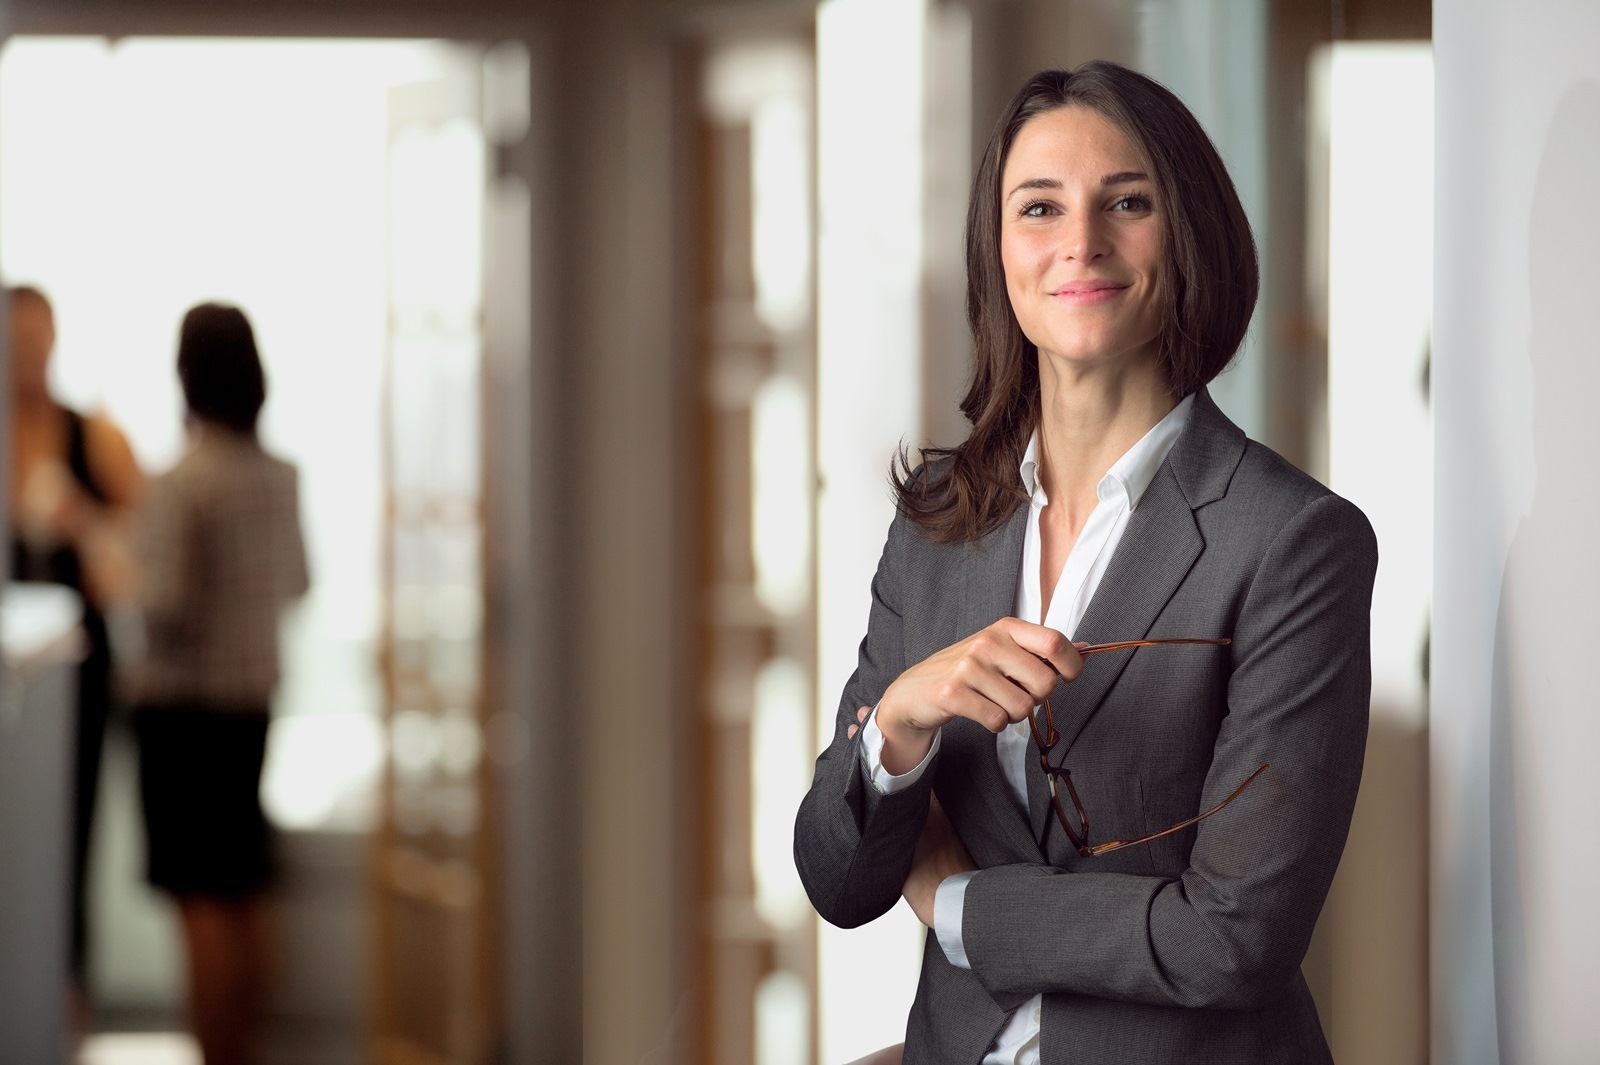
x=18 y=294
x=1209 y=282
x=220 y=368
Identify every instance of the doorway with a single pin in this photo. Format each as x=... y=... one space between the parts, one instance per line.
x=305 y=182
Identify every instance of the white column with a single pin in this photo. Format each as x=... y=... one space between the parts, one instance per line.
x=1371 y=952
x=869 y=400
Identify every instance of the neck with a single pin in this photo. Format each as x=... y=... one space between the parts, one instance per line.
x=200 y=428
x=1089 y=418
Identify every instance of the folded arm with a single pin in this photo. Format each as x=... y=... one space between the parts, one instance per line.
x=1231 y=931
x=852 y=843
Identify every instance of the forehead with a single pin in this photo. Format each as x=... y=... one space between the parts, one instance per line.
x=1069 y=140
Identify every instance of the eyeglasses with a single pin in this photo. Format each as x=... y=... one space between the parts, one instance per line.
x=1047 y=738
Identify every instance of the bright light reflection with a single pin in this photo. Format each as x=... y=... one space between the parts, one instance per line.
x=436 y=210
x=781 y=213
x=783 y=1036
x=780 y=774
x=331 y=758
x=781 y=496
x=139 y=1048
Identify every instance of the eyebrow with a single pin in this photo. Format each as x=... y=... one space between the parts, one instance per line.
x=1121 y=177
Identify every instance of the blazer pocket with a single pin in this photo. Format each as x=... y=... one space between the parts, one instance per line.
x=1116 y=811
x=1147 y=855
x=1169 y=855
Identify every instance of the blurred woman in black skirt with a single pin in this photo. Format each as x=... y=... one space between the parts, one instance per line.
x=222 y=554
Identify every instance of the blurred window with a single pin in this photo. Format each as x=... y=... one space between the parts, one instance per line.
x=129 y=196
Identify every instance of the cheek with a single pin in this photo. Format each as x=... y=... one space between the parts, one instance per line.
x=1009 y=261
x=1155 y=261
x=1017 y=260
x=1019 y=295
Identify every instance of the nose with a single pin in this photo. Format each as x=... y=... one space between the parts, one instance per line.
x=1083 y=237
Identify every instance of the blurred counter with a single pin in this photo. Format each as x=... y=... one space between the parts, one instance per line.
x=40 y=644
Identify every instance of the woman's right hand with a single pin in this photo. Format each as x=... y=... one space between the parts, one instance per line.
x=995 y=677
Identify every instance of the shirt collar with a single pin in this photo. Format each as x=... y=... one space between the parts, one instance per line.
x=1133 y=472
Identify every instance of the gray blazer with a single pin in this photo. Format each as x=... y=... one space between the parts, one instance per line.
x=1187 y=949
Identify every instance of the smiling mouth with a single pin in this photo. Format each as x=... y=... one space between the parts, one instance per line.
x=1089 y=291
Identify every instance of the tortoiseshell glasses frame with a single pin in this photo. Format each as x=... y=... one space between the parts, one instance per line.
x=1046 y=739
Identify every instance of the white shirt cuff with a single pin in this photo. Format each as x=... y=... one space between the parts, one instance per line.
x=949 y=902
x=872 y=759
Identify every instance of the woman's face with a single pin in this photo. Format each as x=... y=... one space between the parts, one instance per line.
x=1081 y=242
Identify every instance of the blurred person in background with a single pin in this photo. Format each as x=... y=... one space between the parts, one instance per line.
x=221 y=556
x=1118 y=855
x=73 y=486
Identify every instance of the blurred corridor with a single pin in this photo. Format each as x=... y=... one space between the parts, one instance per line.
x=587 y=324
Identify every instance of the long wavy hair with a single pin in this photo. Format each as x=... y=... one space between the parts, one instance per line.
x=1209 y=283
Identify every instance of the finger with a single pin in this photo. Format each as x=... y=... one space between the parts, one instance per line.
x=975 y=689
x=1013 y=699
x=1048 y=644
x=1030 y=673
x=991 y=700
x=993 y=651
x=861 y=719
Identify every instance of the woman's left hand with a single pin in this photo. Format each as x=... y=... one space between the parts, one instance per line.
x=939 y=854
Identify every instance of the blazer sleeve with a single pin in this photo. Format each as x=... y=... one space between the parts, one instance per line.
x=1232 y=930
x=852 y=845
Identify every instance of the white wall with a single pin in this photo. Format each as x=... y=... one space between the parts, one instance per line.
x=1514 y=727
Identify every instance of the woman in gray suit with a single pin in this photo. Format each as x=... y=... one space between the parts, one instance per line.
x=1120 y=856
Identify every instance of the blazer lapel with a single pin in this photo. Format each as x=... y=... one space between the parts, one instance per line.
x=1159 y=545
x=1158 y=548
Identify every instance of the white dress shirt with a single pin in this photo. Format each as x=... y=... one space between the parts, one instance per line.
x=1119 y=492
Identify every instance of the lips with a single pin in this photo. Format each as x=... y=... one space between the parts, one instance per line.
x=1083 y=288
x=1088 y=291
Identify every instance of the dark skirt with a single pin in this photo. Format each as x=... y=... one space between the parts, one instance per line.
x=200 y=788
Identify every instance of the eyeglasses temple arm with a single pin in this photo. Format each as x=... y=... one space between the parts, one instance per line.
x=1096 y=648
x=1104 y=848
